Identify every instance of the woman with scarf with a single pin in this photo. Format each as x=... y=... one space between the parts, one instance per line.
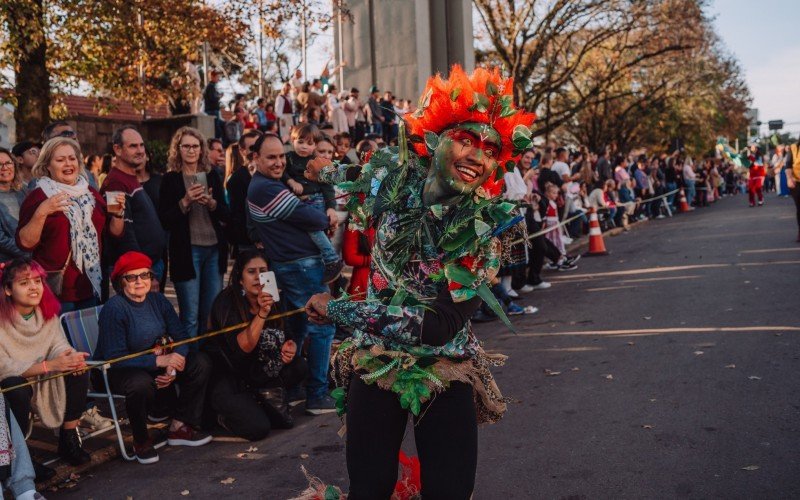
x=62 y=223
x=34 y=345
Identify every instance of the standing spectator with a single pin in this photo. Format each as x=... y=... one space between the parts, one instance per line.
x=192 y=208
x=284 y=111
x=603 y=167
x=25 y=153
x=255 y=366
x=234 y=128
x=336 y=114
x=354 y=109
x=59 y=128
x=137 y=319
x=283 y=223
x=689 y=179
x=373 y=112
x=34 y=345
x=62 y=222
x=108 y=164
x=236 y=186
x=143 y=231
x=11 y=198
x=261 y=113
x=389 y=117
x=547 y=175
x=94 y=165
x=211 y=101
x=216 y=156
x=560 y=165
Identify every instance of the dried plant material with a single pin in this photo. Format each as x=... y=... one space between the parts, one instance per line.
x=754 y=377
x=252 y=449
x=647 y=426
x=575 y=369
x=304 y=455
x=228 y=480
x=551 y=373
x=608 y=376
x=751 y=467
x=698 y=353
x=185 y=493
x=730 y=366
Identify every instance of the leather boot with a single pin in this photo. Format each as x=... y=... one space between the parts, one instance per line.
x=277 y=407
x=70 y=447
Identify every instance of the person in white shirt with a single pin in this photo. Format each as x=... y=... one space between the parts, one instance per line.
x=560 y=166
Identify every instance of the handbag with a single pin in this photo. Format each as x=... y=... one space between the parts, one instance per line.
x=55 y=279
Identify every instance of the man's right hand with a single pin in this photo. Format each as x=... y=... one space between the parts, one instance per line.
x=173 y=360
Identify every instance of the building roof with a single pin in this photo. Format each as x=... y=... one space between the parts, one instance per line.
x=121 y=110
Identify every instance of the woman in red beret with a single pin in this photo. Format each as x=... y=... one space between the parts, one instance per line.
x=135 y=320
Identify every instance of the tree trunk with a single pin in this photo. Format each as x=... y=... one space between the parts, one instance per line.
x=32 y=87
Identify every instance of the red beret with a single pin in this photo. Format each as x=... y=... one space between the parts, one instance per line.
x=130 y=261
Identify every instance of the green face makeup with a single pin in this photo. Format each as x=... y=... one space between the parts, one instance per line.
x=465 y=157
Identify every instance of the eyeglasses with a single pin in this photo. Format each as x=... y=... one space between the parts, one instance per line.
x=131 y=278
x=190 y=147
x=7 y=164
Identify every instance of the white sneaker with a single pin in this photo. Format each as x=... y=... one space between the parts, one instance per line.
x=551 y=266
x=93 y=419
x=530 y=310
x=526 y=289
x=512 y=294
x=544 y=285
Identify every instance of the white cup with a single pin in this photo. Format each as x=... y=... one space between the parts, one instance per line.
x=111 y=201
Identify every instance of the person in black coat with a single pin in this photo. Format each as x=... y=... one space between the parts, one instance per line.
x=192 y=208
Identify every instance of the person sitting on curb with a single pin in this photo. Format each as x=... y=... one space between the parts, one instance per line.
x=135 y=320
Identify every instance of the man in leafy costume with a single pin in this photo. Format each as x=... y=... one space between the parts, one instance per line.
x=435 y=204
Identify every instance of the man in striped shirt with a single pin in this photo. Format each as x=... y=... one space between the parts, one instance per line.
x=283 y=223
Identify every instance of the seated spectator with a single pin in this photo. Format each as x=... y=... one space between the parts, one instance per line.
x=11 y=198
x=63 y=221
x=34 y=344
x=254 y=367
x=16 y=468
x=599 y=199
x=137 y=319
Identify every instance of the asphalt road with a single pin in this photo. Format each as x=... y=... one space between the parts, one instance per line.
x=668 y=369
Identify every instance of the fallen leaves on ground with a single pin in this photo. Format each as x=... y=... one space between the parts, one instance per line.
x=647 y=426
x=754 y=377
x=228 y=480
x=304 y=455
x=751 y=467
x=631 y=343
x=241 y=455
x=648 y=317
x=551 y=373
x=252 y=449
x=730 y=366
x=698 y=353
x=185 y=493
x=608 y=376
x=575 y=369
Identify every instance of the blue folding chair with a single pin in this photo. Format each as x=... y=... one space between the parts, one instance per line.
x=82 y=328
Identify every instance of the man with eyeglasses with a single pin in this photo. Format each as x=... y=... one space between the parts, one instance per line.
x=216 y=156
x=58 y=128
x=25 y=153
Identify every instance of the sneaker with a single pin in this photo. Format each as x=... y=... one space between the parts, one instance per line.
x=145 y=453
x=320 y=406
x=660 y=216
x=155 y=419
x=188 y=436
x=544 y=285
x=530 y=310
x=482 y=317
x=43 y=472
x=511 y=293
x=514 y=310
x=551 y=266
x=526 y=289
x=332 y=271
x=760 y=203
x=752 y=205
x=567 y=266
x=70 y=447
x=93 y=419
x=573 y=259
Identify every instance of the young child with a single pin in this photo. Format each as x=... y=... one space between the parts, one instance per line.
x=320 y=196
x=551 y=193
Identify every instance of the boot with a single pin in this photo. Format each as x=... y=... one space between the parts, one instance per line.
x=70 y=447
x=43 y=472
x=277 y=407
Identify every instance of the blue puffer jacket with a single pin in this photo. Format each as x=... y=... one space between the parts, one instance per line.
x=8 y=231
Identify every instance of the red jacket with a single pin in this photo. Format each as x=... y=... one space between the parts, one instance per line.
x=54 y=245
x=353 y=256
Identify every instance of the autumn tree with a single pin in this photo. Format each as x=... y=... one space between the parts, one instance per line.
x=127 y=49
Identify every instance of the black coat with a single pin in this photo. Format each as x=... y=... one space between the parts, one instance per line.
x=177 y=223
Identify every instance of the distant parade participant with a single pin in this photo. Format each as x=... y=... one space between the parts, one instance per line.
x=792 y=167
x=437 y=213
x=755 y=186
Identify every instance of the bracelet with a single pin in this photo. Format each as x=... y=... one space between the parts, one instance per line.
x=260 y=316
x=44 y=367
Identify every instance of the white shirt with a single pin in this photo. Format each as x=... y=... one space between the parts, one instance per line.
x=515 y=186
x=561 y=169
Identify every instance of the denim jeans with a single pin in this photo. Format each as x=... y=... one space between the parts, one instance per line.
x=671 y=186
x=195 y=296
x=319 y=238
x=22 y=474
x=298 y=280
x=690 y=191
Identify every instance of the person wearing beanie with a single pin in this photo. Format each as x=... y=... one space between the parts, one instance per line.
x=135 y=320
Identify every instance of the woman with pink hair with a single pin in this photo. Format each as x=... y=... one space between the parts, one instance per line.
x=34 y=345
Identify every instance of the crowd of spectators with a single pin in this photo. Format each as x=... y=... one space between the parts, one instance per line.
x=113 y=230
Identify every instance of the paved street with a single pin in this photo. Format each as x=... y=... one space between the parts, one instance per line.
x=668 y=369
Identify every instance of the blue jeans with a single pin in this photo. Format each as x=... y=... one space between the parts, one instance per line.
x=80 y=304
x=671 y=186
x=690 y=191
x=298 y=280
x=22 y=474
x=319 y=238
x=195 y=296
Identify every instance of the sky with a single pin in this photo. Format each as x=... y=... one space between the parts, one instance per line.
x=764 y=37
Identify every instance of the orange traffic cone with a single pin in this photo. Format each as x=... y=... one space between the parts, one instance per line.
x=596 y=245
x=684 y=206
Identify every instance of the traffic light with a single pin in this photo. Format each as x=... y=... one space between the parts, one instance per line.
x=775 y=124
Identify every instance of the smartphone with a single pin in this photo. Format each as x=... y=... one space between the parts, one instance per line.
x=269 y=285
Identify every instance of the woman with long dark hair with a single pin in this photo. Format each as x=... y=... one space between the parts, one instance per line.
x=254 y=366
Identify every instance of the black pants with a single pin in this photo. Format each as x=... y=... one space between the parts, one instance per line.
x=141 y=396
x=446 y=436
x=796 y=197
x=19 y=400
x=238 y=404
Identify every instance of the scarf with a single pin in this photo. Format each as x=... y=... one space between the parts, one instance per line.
x=25 y=342
x=82 y=233
x=6 y=452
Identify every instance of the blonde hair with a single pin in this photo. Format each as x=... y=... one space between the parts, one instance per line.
x=40 y=169
x=174 y=162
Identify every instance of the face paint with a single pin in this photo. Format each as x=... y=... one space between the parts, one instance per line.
x=465 y=158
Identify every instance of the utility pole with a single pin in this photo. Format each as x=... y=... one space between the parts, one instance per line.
x=337 y=6
x=260 y=48
x=303 y=40
x=140 y=19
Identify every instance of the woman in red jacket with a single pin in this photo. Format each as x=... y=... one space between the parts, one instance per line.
x=355 y=250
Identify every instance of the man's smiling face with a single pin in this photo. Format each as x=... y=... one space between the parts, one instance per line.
x=466 y=157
